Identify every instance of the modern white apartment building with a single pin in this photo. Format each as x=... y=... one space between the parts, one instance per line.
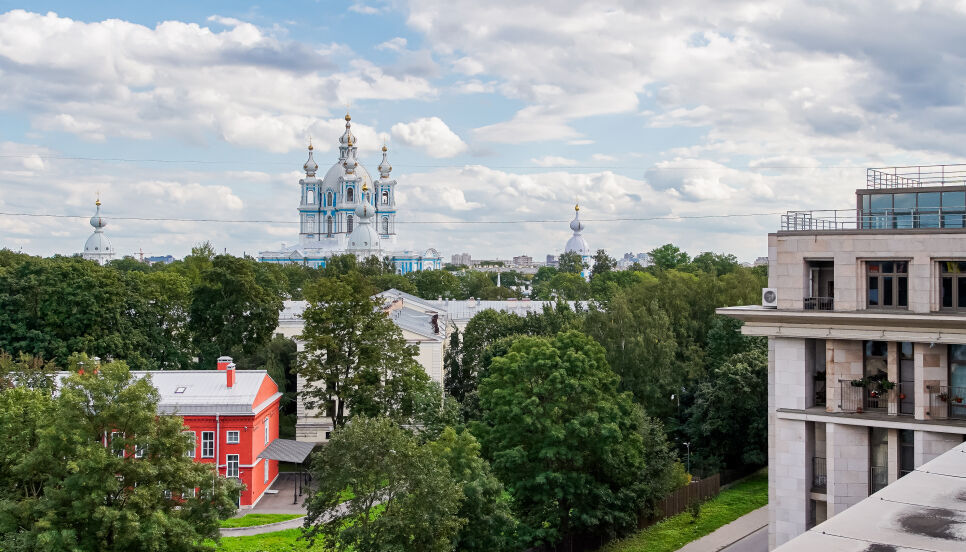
x=867 y=342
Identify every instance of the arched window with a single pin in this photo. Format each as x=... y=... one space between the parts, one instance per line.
x=348 y=222
x=328 y=225
x=310 y=196
x=328 y=198
x=385 y=197
x=385 y=225
x=349 y=196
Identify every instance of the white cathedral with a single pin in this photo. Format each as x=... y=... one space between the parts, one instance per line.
x=346 y=212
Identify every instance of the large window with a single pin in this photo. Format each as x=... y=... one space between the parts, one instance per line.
x=952 y=289
x=232 y=465
x=194 y=443
x=267 y=429
x=207 y=444
x=888 y=283
x=907 y=451
x=913 y=210
x=878 y=458
x=232 y=437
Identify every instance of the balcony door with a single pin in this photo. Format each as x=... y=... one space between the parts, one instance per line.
x=906 y=388
x=957 y=381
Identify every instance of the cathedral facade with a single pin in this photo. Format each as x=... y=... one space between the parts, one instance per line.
x=346 y=211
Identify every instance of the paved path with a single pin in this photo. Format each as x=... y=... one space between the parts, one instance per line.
x=730 y=534
x=755 y=542
x=259 y=529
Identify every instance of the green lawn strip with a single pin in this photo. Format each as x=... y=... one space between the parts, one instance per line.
x=674 y=532
x=251 y=520
x=286 y=540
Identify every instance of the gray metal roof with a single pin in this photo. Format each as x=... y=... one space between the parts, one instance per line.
x=287 y=450
x=922 y=511
x=205 y=392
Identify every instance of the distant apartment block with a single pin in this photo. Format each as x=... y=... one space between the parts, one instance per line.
x=462 y=259
x=525 y=261
x=866 y=327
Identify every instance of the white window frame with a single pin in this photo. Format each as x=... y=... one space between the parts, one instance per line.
x=265 y=461
x=210 y=441
x=194 y=444
x=231 y=461
x=114 y=434
x=167 y=495
x=139 y=450
x=236 y=440
x=267 y=429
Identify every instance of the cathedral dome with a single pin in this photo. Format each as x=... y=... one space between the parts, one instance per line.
x=577 y=243
x=331 y=179
x=310 y=166
x=98 y=243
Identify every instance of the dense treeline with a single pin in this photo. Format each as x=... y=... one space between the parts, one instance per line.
x=555 y=428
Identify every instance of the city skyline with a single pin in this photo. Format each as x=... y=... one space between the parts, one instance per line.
x=187 y=111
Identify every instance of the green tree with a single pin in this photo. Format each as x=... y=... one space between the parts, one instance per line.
x=717 y=263
x=355 y=359
x=561 y=437
x=488 y=524
x=603 y=263
x=230 y=309
x=641 y=348
x=668 y=256
x=88 y=468
x=432 y=284
x=728 y=422
x=483 y=329
x=565 y=286
x=570 y=262
x=380 y=491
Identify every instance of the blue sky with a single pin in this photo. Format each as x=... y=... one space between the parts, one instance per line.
x=493 y=112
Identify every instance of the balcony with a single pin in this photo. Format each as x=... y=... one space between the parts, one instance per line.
x=858 y=396
x=819 y=476
x=947 y=402
x=818 y=303
x=915 y=176
x=874 y=219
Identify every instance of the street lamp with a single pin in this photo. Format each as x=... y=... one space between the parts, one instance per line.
x=688 y=444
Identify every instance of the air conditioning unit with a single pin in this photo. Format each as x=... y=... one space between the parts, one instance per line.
x=769 y=298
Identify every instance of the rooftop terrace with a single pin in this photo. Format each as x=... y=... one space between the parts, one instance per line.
x=915 y=176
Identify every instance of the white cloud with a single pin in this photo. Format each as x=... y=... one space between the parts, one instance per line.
x=241 y=84
x=432 y=135
x=364 y=9
x=553 y=161
x=467 y=66
x=395 y=44
x=603 y=157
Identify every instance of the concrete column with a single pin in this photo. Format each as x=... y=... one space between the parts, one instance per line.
x=847 y=465
x=893 y=455
x=931 y=370
x=792 y=376
x=772 y=420
x=843 y=362
x=789 y=503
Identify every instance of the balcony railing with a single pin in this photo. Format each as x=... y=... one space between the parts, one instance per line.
x=872 y=396
x=818 y=303
x=915 y=176
x=947 y=402
x=875 y=219
x=819 y=476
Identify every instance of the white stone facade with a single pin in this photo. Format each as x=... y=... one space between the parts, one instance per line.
x=861 y=434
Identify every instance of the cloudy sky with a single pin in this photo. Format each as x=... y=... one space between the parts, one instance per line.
x=495 y=112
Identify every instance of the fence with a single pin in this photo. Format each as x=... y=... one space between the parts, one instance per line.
x=697 y=491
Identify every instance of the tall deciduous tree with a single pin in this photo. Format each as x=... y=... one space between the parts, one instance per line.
x=668 y=256
x=380 y=491
x=355 y=358
x=602 y=263
x=566 y=443
x=229 y=309
x=570 y=262
x=93 y=467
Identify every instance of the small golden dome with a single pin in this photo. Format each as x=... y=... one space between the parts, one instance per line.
x=577 y=207
x=365 y=187
x=98 y=203
x=384 y=148
x=347 y=118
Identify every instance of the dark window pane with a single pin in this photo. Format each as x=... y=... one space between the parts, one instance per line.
x=904 y=201
x=881 y=202
x=888 y=267
x=887 y=292
x=873 y=291
x=874 y=268
x=903 y=298
x=876 y=349
x=928 y=221
x=946 y=292
x=961 y=290
x=954 y=201
x=905 y=351
x=901 y=267
x=928 y=200
x=952 y=220
x=865 y=203
x=961 y=267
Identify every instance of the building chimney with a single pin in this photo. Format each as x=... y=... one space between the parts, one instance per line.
x=223 y=362
x=230 y=370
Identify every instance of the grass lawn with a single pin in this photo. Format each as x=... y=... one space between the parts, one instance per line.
x=268 y=542
x=675 y=532
x=257 y=519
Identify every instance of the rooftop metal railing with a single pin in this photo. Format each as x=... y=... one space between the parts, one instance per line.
x=878 y=219
x=915 y=176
